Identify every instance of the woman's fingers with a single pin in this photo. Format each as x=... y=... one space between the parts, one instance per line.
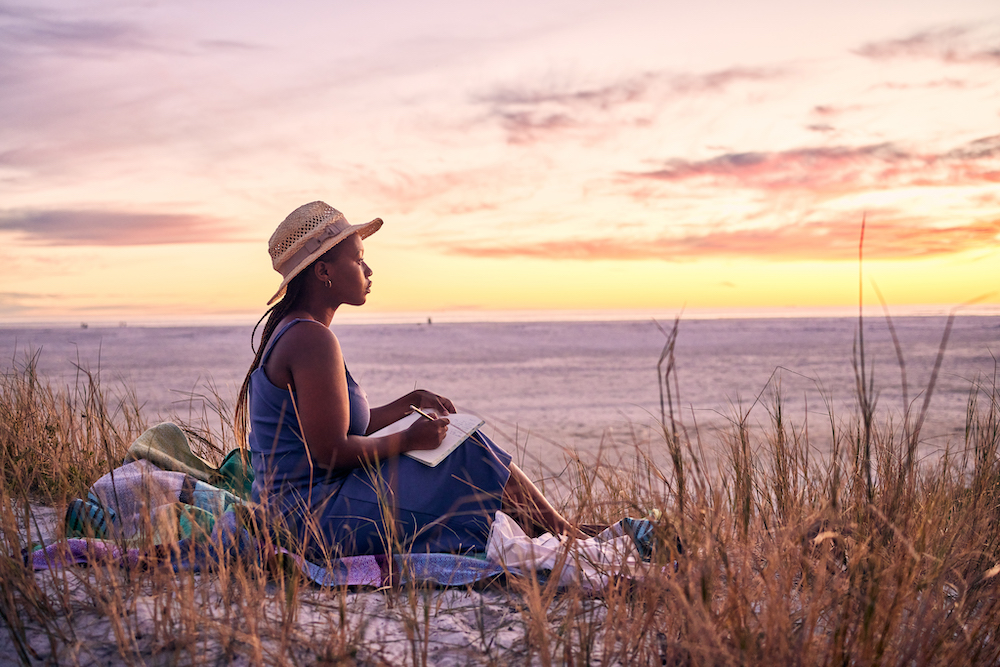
x=428 y=433
x=432 y=401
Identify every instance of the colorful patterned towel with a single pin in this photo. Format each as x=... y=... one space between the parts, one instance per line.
x=231 y=538
x=167 y=505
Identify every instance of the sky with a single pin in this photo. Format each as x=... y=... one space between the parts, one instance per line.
x=525 y=156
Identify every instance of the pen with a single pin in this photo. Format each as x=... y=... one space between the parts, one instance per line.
x=421 y=412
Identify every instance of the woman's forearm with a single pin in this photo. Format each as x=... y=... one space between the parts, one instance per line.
x=352 y=451
x=386 y=414
x=356 y=450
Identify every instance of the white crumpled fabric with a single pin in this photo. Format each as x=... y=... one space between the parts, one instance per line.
x=591 y=562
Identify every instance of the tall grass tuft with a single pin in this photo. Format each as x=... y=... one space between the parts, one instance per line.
x=52 y=443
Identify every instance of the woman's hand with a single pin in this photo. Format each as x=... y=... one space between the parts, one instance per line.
x=425 y=433
x=429 y=401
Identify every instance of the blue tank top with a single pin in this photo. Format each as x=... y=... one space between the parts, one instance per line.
x=283 y=470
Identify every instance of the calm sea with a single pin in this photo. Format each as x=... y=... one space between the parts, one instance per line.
x=550 y=387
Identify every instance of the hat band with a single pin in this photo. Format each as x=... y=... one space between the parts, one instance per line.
x=313 y=244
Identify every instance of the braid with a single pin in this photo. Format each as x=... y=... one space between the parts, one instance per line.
x=274 y=315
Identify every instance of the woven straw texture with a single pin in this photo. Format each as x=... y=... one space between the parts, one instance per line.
x=307 y=233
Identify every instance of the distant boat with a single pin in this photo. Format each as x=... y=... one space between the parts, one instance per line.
x=83 y=325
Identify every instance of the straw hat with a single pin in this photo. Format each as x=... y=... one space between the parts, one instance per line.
x=307 y=233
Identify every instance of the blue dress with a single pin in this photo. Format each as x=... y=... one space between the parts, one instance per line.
x=398 y=505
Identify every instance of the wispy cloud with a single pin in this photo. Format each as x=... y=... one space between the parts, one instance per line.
x=948 y=83
x=834 y=239
x=44 y=32
x=528 y=114
x=602 y=97
x=11 y=298
x=828 y=111
x=114 y=228
x=443 y=193
x=228 y=45
x=980 y=149
x=950 y=45
x=836 y=169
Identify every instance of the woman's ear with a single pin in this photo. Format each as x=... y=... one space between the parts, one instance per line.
x=321 y=270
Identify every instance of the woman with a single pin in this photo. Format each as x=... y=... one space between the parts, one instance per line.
x=339 y=491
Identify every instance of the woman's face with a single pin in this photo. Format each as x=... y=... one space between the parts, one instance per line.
x=348 y=273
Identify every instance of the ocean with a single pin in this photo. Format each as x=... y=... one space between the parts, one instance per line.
x=585 y=388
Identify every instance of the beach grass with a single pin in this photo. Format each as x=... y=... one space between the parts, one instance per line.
x=862 y=554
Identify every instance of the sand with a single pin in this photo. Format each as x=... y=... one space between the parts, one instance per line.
x=438 y=626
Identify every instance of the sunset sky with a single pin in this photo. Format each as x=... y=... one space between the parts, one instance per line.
x=524 y=155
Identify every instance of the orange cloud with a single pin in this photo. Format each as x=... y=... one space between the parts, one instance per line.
x=822 y=240
x=114 y=228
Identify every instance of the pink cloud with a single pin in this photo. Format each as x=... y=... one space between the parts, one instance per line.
x=830 y=111
x=441 y=193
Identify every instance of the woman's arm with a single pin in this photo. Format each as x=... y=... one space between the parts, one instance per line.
x=309 y=360
x=390 y=412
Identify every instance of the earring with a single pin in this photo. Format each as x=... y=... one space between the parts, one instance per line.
x=329 y=284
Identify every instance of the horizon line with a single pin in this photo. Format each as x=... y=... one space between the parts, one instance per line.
x=468 y=316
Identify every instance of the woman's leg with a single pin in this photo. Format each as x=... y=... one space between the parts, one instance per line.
x=526 y=504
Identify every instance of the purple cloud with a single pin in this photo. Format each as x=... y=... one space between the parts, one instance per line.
x=949 y=45
x=528 y=114
x=836 y=169
x=114 y=228
x=40 y=31
x=524 y=127
x=603 y=97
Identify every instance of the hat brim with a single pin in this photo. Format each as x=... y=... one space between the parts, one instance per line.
x=363 y=230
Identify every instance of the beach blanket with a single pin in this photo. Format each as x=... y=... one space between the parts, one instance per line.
x=167 y=505
x=166 y=447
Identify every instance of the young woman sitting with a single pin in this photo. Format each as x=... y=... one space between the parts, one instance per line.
x=337 y=490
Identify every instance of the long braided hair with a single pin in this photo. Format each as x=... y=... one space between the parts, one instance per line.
x=274 y=315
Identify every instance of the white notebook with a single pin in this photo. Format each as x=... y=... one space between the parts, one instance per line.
x=460 y=427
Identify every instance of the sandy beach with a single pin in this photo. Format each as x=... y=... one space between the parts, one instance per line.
x=421 y=625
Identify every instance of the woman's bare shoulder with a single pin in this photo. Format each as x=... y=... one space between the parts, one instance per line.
x=307 y=341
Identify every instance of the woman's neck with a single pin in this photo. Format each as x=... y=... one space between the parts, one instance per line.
x=314 y=307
